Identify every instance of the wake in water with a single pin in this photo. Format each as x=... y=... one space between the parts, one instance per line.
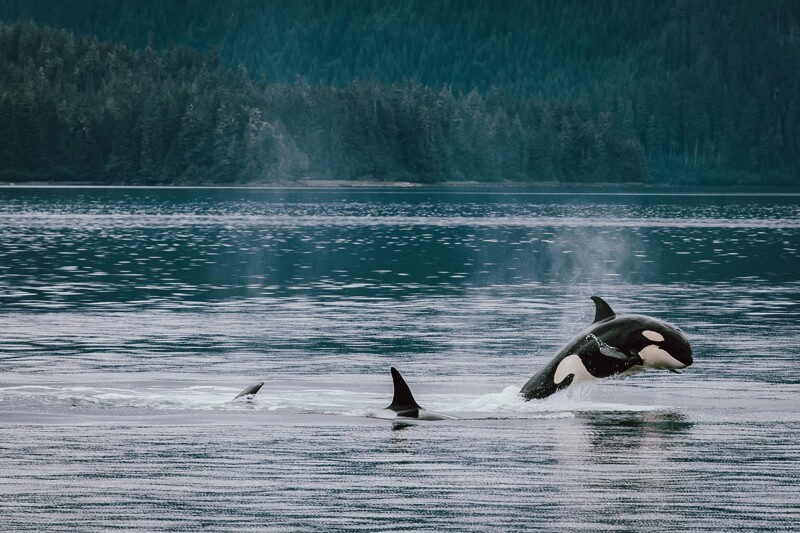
x=504 y=404
x=197 y=397
x=575 y=399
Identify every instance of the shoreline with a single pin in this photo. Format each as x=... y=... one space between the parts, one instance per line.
x=544 y=187
x=606 y=189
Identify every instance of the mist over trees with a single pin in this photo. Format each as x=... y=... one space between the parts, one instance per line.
x=74 y=108
x=682 y=91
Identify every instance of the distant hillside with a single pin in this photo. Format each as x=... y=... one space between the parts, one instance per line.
x=524 y=47
x=709 y=88
x=74 y=108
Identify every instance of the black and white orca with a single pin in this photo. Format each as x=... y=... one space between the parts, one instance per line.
x=612 y=346
x=404 y=405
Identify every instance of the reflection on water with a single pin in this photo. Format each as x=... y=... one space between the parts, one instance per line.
x=642 y=432
x=64 y=248
x=130 y=319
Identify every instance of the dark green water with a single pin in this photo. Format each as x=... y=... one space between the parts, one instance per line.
x=130 y=318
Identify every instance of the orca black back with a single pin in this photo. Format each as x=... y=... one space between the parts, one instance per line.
x=250 y=391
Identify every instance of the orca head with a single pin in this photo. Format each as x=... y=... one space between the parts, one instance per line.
x=650 y=342
x=665 y=346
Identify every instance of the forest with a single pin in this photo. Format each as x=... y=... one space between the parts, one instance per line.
x=196 y=91
x=76 y=109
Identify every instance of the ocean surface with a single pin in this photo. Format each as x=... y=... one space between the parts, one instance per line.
x=130 y=318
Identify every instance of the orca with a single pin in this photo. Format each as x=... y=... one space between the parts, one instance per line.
x=404 y=405
x=612 y=346
x=250 y=392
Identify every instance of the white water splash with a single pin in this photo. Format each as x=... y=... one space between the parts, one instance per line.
x=575 y=399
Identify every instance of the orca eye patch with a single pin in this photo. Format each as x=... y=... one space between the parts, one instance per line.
x=653 y=335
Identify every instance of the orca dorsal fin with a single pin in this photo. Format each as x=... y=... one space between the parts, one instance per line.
x=602 y=310
x=402 y=400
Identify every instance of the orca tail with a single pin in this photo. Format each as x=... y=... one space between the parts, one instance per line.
x=602 y=310
x=403 y=401
x=250 y=391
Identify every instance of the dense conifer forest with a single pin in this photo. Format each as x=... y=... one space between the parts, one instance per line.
x=199 y=91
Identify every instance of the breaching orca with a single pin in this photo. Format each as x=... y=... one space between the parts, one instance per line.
x=404 y=405
x=613 y=345
x=250 y=391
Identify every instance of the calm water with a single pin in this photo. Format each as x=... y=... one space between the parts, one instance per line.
x=131 y=317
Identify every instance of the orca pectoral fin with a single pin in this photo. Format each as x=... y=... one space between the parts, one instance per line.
x=675 y=371
x=610 y=351
x=250 y=391
x=614 y=353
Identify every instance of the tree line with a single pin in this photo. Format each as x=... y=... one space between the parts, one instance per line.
x=710 y=89
x=74 y=108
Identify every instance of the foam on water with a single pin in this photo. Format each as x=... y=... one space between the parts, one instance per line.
x=202 y=397
x=504 y=404
x=574 y=399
